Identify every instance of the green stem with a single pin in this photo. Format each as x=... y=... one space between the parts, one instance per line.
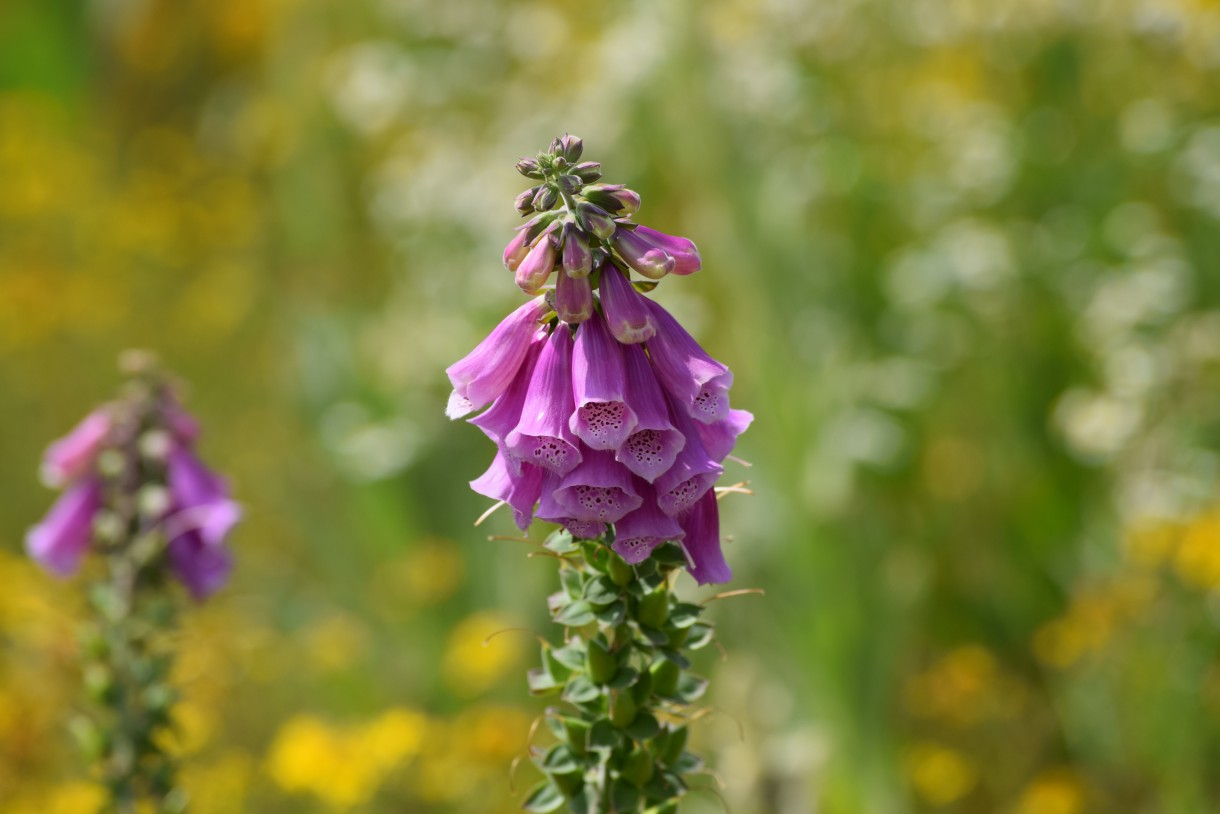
x=622 y=675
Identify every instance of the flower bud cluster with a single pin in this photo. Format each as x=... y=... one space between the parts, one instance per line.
x=579 y=226
x=605 y=411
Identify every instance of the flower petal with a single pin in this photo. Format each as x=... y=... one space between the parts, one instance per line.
x=599 y=383
x=520 y=489
x=626 y=309
x=60 y=541
x=199 y=500
x=682 y=250
x=72 y=456
x=638 y=533
x=599 y=490
x=720 y=438
x=487 y=370
x=686 y=370
x=542 y=436
x=505 y=412
x=702 y=541
x=651 y=449
x=693 y=473
x=203 y=568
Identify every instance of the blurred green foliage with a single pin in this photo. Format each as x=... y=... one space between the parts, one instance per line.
x=964 y=257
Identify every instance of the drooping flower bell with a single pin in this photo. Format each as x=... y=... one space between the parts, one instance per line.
x=604 y=410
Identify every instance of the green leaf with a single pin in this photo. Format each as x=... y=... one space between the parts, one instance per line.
x=559 y=760
x=644 y=286
x=603 y=735
x=676 y=657
x=653 y=635
x=699 y=636
x=601 y=591
x=576 y=614
x=624 y=797
x=613 y=614
x=623 y=677
x=669 y=554
x=643 y=727
x=571 y=655
x=684 y=614
x=572 y=581
x=691 y=687
x=544 y=798
x=541 y=682
x=674 y=744
x=687 y=763
x=576 y=732
x=558 y=670
x=560 y=541
x=580 y=690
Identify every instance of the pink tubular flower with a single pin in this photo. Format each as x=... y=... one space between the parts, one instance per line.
x=702 y=541
x=73 y=455
x=651 y=261
x=683 y=251
x=599 y=490
x=638 y=533
x=505 y=412
x=651 y=449
x=686 y=371
x=519 y=488
x=693 y=473
x=720 y=438
x=602 y=419
x=517 y=249
x=487 y=370
x=537 y=265
x=542 y=436
x=577 y=259
x=573 y=299
x=60 y=541
x=201 y=516
x=626 y=309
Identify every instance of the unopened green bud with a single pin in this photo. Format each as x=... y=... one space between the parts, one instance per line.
x=529 y=168
x=108 y=527
x=90 y=738
x=638 y=768
x=570 y=184
x=589 y=171
x=568 y=147
x=110 y=463
x=620 y=572
x=525 y=201
x=159 y=698
x=593 y=218
x=614 y=198
x=546 y=198
x=152 y=501
x=155 y=445
x=93 y=643
x=600 y=663
x=665 y=675
x=622 y=709
x=675 y=745
x=99 y=682
x=654 y=609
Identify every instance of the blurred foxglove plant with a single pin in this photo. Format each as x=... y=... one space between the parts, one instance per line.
x=138 y=500
x=610 y=420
